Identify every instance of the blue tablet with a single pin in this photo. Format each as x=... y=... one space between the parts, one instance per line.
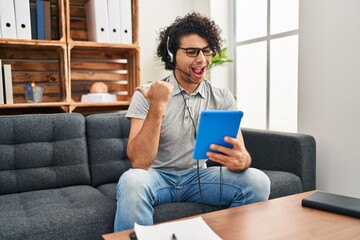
x=214 y=125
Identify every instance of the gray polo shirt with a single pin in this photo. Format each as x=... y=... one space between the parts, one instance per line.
x=177 y=136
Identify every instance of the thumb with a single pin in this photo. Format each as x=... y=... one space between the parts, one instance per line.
x=142 y=90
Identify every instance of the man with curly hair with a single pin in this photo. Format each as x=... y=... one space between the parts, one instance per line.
x=164 y=116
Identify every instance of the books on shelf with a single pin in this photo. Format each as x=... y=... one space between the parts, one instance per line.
x=126 y=21
x=109 y=21
x=97 y=20
x=7 y=19
x=6 y=86
x=40 y=19
x=47 y=20
x=24 y=19
x=2 y=89
x=114 y=20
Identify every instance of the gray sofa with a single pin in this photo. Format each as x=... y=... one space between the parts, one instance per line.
x=58 y=173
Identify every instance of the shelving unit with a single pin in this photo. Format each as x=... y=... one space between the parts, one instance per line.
x=69 y=64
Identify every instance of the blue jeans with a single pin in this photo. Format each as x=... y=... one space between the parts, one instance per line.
x=138 y=191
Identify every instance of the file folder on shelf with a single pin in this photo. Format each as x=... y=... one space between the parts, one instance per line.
x=47 y=20
x=22 y=18
x=40 y=19
x=33 y=20
x=2 y=92
x=126 y=21
x=7 y=19
x=113 y=7
x=8 y=84
x=97 y=20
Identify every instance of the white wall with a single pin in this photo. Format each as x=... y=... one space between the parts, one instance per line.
x=329 y=90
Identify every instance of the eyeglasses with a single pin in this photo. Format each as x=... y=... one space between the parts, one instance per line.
x=194 y=52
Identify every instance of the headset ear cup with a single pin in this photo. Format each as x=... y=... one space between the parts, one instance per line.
x=171 y=56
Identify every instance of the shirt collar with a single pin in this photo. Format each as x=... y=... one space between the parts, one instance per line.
x=177 y=88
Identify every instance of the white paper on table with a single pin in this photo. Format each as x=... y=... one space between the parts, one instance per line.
x=194 y=228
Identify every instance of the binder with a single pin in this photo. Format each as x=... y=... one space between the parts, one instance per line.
x=126 y=21
x=47 y=20
x=7 y=19
x=33 y=20
x=40 y=19
x=8 y=84
x=2 y=92
x=114 y=20
x=22 y=18
x=333 y=203
x=97 y=20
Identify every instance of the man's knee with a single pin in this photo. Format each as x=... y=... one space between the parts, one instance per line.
x=260 y=186
x=132 y=181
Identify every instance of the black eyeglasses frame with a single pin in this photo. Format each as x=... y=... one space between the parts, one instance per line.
x=208 y=51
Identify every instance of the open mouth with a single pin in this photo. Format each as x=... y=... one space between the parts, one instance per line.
x=198 y=71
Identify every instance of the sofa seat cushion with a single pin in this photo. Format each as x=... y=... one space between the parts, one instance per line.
x=283 y=183
x=108 y=189
x=77 y=212
x=171 y=211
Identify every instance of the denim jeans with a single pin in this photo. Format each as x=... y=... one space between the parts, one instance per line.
x=138 y=191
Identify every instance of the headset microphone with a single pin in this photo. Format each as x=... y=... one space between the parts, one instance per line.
x=186 y=73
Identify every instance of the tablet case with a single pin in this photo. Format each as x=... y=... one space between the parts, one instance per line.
x=333 y=203
x=214 y=125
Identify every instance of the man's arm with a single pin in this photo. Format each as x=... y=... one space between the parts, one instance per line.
x=144 y=135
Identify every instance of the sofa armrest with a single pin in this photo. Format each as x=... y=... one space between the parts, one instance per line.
x=288 y=152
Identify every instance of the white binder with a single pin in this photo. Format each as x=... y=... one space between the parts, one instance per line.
x=2 y=99
x=126 y=21
x=22 y=18
x=113 y=7
x=97 y=20
x=8 y=84
x=7 y=19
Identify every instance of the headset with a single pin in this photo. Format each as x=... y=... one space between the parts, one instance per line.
x=171 y=55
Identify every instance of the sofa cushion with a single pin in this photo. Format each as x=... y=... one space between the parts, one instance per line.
x=283 y=183
x=78 y=212
x=42 y=151
x=107 y=136
x=280 y=151
x=171 y=211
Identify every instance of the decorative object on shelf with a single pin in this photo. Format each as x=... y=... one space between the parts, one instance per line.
x=98 y=87
x=98 y=93
x=33 y=93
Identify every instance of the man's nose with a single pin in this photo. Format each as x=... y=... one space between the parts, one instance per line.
x=200 y=57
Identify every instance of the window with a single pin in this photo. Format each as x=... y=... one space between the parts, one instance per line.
x=266 y=43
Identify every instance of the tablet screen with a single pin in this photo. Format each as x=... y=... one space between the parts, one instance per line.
x=214 y=125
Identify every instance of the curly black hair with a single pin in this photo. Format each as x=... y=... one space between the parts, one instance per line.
x=190 y=23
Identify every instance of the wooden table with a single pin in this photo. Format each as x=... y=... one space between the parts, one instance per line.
x=281 y=218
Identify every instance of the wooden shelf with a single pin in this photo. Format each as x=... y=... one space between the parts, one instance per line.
x=68 y=64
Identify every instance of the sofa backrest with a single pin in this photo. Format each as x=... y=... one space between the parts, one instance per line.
x=107 y=137
x=42 y=151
